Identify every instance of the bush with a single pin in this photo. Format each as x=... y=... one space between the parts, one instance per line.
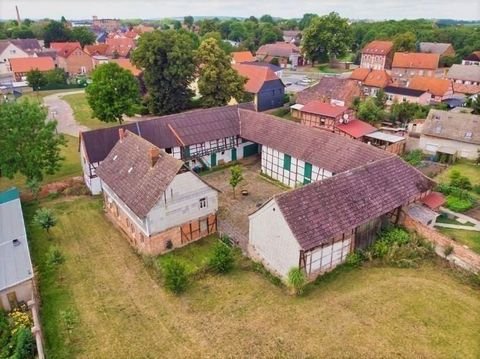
x=355 y=259
x=222 y=259
x=414 y=157
x=24 y=344
x=448 y=250
x=458 y=204
x=54 y=256
x=44 y=218
x=296 y=280
x=175 y=276
x=459 y=181
x=476 y=188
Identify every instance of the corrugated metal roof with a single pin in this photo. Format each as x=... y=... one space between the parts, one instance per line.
x=15 y=263
x=385 y=137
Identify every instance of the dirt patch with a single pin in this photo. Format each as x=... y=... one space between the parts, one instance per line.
x=474 y=212
x=71 y=187
x=431 y=169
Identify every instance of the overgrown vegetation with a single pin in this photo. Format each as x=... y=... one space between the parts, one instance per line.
x=414 y=157
x=459 y=198
x=222 y=259
x=296 y=280
x=175 y=276
x=16 y=338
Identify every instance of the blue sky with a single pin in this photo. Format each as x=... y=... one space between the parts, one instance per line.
x=356 y=9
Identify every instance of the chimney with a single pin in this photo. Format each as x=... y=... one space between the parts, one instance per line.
x=121 y=134
x=153 y=155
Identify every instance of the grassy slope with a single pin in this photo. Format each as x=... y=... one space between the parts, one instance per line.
x=469 y=238
x=124 y=313
x=83 y=112
x=70 y=167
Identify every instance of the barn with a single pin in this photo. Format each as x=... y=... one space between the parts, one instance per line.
x=315 y=227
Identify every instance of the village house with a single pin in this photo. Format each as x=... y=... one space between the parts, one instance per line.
x=96 y=50
x=371 y=80
x=154 y=198
x=107 y=25
x=438 y=88
x=16 y=272
x=268 y=90
x=315 y=227
x=71 y=58
x=377 y=55
x=201 y=138
x=442 y=49
x=292 y=36
x=336 y=91
x=20 y=48
x=239 y=57
x=276 y=69
x=404 y=94
x=449 y=134
x=287 y=54
x=20 y=67
x=464 y=74
x=472 y=59
x=127 y=65
x=119 y=47
x=406 y=65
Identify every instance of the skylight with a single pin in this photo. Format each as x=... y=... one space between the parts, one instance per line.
x=130 y=169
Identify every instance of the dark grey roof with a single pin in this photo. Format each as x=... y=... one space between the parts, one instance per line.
x=403 y=91
x=464 y=73
x=434 y=47
x=323 y=210
x=457 y=126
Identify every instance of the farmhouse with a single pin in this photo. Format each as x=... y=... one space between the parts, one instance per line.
x=337 y=91
x=472 y=59
x=314 y=228
x=404 y=94
x=287 y=54
x=406 y=65
x=154 y=198
x=438 y=88
x=16 y=272
x=440 y=48
x=371 y=80
x=377 y=55
x=72 y=58
x=464 y=74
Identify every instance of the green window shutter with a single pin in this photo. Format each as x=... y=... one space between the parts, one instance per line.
x=213 y=159
x=234 y=154
x=308 y=173
x=186 y=151
x=287 y=162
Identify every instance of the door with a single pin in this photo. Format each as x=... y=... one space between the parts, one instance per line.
x=250 y=150
x=12 y=300
x=213 y=160
x=234 y=154
x=308 y=173
x=365 y=234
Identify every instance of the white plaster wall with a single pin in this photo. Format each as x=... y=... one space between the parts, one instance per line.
x=11 y=52
x=431 y=144
x=94 y=184
x=24 y=292
x=328 y=257
x=274 y=242
x=181 y=203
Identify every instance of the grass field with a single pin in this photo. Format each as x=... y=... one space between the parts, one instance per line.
x=103 y=302
x=70 y=167
x=469 y=238
x=466 y=168
x=83 y=112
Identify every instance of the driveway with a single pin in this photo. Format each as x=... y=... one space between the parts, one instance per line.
x=61 y=111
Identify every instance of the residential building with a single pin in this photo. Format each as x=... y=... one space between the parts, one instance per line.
x=107 y=25
x=292 y=36
x=438 y=88
x=404 y=94
x=16 y=272
x=201 y=138
x=276 y=69
x=127 y=65
x=406 y=65
x=9 y=50
x=442 y=49
x=337 y=91
x=371 y=80
x=315 y=227
x=377 y=55
x=154 y=198
x=268 y=90
x=464 y=74
x=119 y=47
x=450 y=134
x=287 y=54
x=97 y=49
x=98 y=60
x=71 y=58
x=321 y=114
x=20 y=67
x=239 y=57
x=472 y=59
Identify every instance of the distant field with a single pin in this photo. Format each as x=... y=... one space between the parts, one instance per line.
x=104 y=303
x=70 y=167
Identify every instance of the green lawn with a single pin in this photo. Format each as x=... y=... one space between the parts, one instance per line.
x=42 y=94
x=466 y=168
x=70 y=167
x=468 y=238
x=83 y=112
x=115 y=308
x=325 y=68
x=284 y=113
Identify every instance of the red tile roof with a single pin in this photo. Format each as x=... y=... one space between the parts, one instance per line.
x=414 y=60
x=256 y=76
x=360 y=74
x=65 y=49
x=278 y=49
x=127 y=65
x=99 y=49
x=26 y=64
x=466 y=89
x=378 y=47
x=378 y=78
x=242 y=56
x=324 y=109
x=437 y=87
x=356 y=128
x=434 y=200
x=331 y=88
x=121 y=45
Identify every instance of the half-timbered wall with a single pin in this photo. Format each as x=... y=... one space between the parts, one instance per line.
x=290 y=170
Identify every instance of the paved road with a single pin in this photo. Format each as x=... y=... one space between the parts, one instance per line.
x=61 y=111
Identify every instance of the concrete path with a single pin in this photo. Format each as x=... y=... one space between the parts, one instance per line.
x=457 y=226
x=61 y=111
x=462 y=217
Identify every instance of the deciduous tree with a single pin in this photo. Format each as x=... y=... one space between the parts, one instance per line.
x=114 y=92
x=29 y=143
x=168 y=66
x=188 y=21
x=36 y=79
x=56 y=31
x=83 y=35
x=406 y=42
x=44 y=218
x=236 y=177
x=218 y=82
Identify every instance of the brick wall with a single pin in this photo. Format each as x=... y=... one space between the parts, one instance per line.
x=461 y=256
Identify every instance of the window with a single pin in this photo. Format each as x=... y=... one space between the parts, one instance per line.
x=287 y=162
x=468 y=135
x=203 y=202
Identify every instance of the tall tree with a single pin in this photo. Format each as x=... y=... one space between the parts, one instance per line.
x=406 y=42
x=36 y=79
x=167 y=61
x=29 y=143
x=56 y=31
x=267 y=18
x=306 y=20
x=218 y=82
x=114 y=92
x=327 y=37
x=188 y=21
x=83 y=35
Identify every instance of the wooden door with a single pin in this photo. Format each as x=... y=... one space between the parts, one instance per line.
x=365 y=234
x=12 y=300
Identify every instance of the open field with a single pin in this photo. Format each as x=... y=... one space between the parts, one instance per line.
x=70 y=167
x=83 y=112
x=468 y=238
x=103 y=302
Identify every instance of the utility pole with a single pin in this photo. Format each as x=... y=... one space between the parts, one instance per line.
x=18 y=16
